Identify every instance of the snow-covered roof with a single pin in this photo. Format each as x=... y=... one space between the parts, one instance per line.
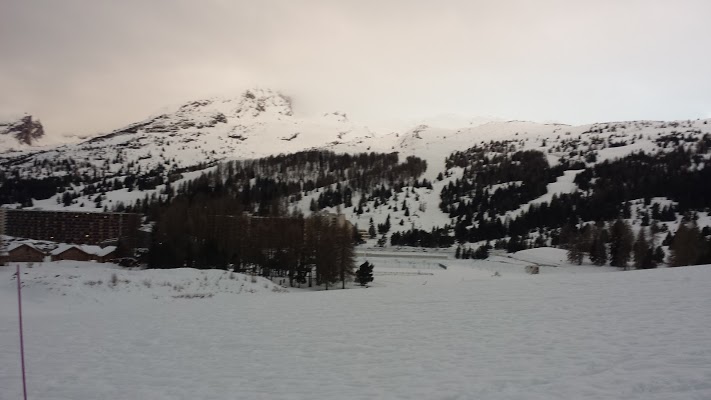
x=88 y=249
x=61 y=249
x=16 y=245
x=106 y=251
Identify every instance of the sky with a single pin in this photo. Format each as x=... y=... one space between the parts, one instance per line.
x=91 y=66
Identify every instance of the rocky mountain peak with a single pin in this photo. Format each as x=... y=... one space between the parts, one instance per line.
x=257 y=102
x=25 y=129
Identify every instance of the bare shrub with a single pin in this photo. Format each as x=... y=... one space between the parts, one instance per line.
x=114 y=280
x=147 y=283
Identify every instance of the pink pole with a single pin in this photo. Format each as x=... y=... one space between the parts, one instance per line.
x=22 y=342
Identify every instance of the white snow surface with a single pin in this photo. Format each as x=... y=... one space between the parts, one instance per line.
x=419 y=332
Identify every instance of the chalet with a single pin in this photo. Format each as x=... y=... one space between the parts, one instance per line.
x=70 y=252
x=105 y=254
x=24 y=252
x=83 y=253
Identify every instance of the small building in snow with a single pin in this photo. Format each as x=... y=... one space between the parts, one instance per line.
x=23 y=252
x=70 y=252
x=76 y=252
x=105 y=254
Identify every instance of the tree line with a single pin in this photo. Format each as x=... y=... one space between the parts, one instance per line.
x=206 y=233
x=616 y=244
x=263 y=185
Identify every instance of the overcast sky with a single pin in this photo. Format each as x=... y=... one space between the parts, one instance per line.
x=94 y=65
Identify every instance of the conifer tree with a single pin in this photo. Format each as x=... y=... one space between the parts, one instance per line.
x=621 y=241
x=371 y=229
x=598 y=248
x=642 y=253
x=482 y=252
x=580 y=244
x=668 y=239
x=327 y=252
x=659 y=255
x=364 y=274
x=575 y=249
x=345 y=257
x=687 y=246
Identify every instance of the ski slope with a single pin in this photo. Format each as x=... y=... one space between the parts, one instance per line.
x=420 y=331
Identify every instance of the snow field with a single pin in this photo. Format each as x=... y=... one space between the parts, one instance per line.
x=463 y=334
x=104 y=283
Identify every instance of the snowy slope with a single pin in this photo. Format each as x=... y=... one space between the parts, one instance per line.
x=420 y=332
x=257 y=123
x=557 y=141
x=262 y=122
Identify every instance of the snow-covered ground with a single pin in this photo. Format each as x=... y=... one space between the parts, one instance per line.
x=420 y=331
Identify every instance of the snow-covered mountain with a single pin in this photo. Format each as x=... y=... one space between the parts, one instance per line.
x=258 y=123
x=262 y=122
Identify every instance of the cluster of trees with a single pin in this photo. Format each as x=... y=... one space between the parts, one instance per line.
x=45 y=178
x=14 y=189
x=203 y=233
x=437 y=237
x=616 y=244
x=607 y=190
x=263 y=185
x=690 y=246
x=333 y=197
x=466 y=253
x=671 y=174
x=613 y=244
x=475 y=203
x=519 y=176
x=259 y=184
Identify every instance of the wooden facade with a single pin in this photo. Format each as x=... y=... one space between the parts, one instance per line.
x=25 y=253
x=72 y=253
x=84 y=253
x=106 y=257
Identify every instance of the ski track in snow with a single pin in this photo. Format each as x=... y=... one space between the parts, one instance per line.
x=441 y=334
